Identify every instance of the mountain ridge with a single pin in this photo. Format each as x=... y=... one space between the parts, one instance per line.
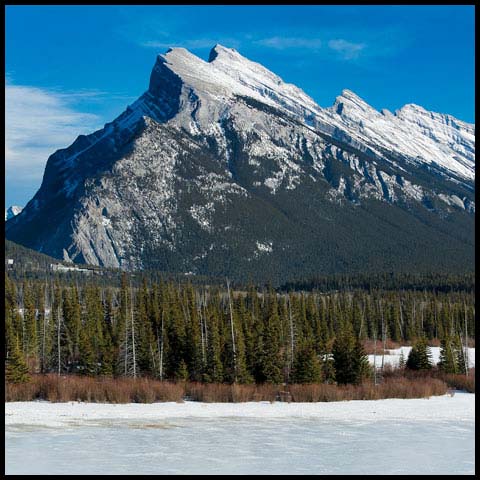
x=166 y=181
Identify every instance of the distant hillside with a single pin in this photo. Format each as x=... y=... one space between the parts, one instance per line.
x=27 y=258
x=30 y=264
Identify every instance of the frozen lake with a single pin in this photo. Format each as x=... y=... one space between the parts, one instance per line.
x=375 y=437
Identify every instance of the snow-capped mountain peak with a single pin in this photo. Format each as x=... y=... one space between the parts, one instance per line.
x=219 y=52
x=419 y=135
x=221 y=162
x=423 y=137
x=12 y=211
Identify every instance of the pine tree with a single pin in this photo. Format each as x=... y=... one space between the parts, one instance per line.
x=16 y=370
x=419 y=357
x=31 y=342
x=361 y=366
x=448 y=360
x=459 y=353
x=182 y=372
x=60 y=342
x=306 y=366
x=175 y=331
x=91 y=335
x=271 y=360
x=11 y=317
x=107 y=354
x=240 y=316
x=214 y=368
x=71 y=311
x=145 y=340
x=402 y=361
x=193 y=343
x=86 y=363
x=128 y=362
x=349 y=358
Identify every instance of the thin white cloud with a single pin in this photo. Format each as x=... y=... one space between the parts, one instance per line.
x=345 y=49
x=348 y=50
x=38 y=122
x=282 y=43
x=191 y=43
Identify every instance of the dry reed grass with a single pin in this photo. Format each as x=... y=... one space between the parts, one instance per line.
x=143 y=390
x=89 y=389
x=390 y=388
x=461 y=382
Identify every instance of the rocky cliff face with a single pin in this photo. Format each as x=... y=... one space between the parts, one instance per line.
x=222 y=168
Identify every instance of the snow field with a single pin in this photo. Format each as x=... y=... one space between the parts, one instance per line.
x=459 y=407
x=393 y=357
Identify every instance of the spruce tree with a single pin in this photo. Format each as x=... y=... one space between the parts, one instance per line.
x=306 y=366
x=193 y=345
x=31 y=342
x=271 y=356
x=175 y=331
x=181 y=373
x=459 y=353
x=402 y=361
x=214 y=368
x=448 y=360
x=16 y=370
x=349 y=358
x=146 y=345
x=419 y=357
x=107 y=354
x=360 y=361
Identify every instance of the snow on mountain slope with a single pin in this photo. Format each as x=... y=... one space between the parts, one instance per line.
x=12 y=211
x=412 y=131
x=207 y=90
x=218 y=157
x=424 y=137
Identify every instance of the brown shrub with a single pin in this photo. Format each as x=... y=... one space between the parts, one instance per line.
x=369 y=347
x=208 y=392
x=219 y=392
x=89 y=389
x=398 y=384
x=390 y=388
x=461 y=382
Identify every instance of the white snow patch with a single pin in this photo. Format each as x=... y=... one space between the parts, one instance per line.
x=202 y=215
x=265 y=247
x=460 y=407
x=393 y=357
x=12 y=211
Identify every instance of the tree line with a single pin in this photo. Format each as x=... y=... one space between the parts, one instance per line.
x=174 y=331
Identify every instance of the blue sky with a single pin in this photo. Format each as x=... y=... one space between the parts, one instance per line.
x=70 y=69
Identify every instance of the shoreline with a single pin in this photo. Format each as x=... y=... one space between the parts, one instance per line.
x=459 y=407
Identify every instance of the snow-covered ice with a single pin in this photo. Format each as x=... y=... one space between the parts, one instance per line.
x=434 y=435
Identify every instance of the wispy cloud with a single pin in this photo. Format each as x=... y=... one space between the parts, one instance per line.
x=348 y=50
x=282 y=43
x=344 y=49
x=38 y=122
x=191 y=43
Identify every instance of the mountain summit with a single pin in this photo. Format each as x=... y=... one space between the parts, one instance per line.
x=222 y=168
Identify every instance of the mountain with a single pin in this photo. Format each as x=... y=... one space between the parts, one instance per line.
x=10 y=212
x=26 y=260
x=221 y=168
